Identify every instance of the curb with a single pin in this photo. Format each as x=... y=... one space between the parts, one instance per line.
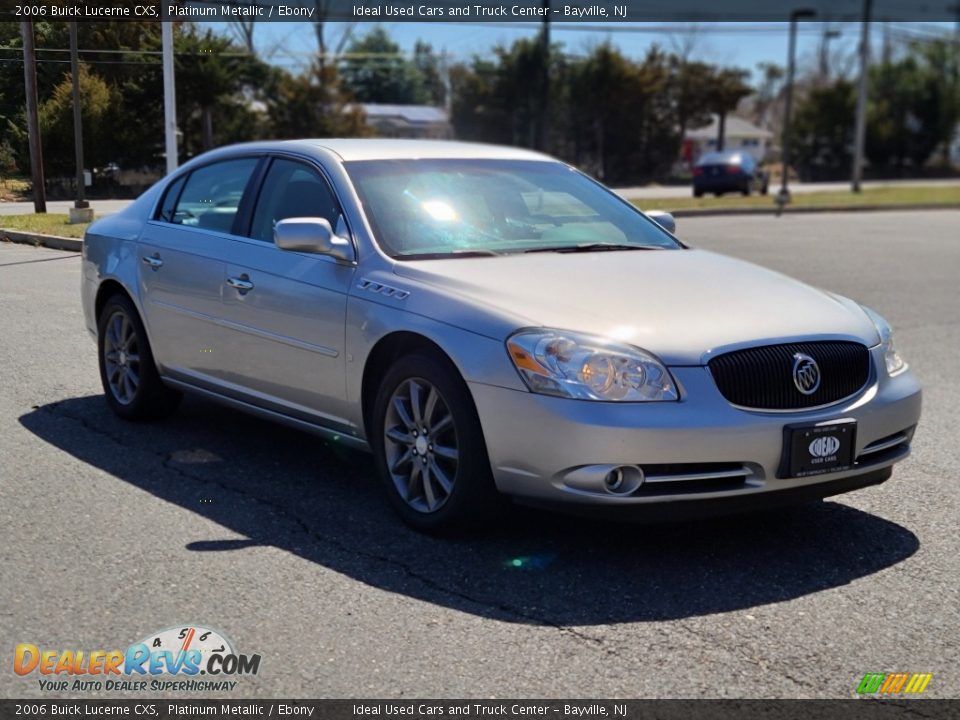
x=707 y=212
x=39 y=240
x=73 y=244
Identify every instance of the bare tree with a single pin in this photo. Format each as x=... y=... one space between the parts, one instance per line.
x=243 y=29
x=321 y=21
x=684 y=44
x=768 y=93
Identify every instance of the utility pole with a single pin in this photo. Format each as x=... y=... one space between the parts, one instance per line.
x=860 y=131
x=169 y=97
x=545 y=81
x=81 y=212
x=33 y=120
x=783 y=197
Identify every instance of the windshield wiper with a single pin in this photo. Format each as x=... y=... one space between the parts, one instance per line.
x=451 y=254
x=591 y=247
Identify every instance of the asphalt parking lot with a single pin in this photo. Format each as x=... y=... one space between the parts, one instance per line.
x=109 y=531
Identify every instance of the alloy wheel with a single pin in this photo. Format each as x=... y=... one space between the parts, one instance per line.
x=420 y=442
x=121 y=354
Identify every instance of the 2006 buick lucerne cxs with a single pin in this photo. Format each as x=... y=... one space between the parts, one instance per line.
x=485 y=320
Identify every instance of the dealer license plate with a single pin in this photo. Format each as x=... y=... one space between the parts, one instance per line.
x=816 y=449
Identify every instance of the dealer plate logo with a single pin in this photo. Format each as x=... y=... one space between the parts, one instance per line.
x=824 y=446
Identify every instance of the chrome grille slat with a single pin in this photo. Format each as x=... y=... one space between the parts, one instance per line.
x=688 y=477
x=884 y=444
x=762 y=377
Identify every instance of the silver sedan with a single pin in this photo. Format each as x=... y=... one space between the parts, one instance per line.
x=489 y=321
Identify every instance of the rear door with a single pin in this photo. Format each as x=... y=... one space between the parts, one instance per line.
x=182 y=267
x=285 y=311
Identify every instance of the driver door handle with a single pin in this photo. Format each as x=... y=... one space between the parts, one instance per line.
x=154 y=261
x=241 y=283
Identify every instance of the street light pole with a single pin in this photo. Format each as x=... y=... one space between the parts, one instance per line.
x=783 y=197
x=828 y=35
x=860 y=131
x=169 y=97
x=81 y=211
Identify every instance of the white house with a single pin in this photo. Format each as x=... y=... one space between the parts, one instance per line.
x=739 y=134
x=408 y=121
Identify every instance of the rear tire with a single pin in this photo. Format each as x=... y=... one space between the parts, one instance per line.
x=129 y=376
x=698 y=193
x=429 y=447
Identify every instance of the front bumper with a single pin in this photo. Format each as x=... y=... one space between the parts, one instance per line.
x=549 y=450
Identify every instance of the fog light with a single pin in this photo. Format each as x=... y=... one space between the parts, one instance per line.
x=623 y=480
x=614 y=480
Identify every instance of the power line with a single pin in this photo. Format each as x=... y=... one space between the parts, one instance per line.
x=95 y=62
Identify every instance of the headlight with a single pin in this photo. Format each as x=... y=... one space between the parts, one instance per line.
x=894 y=362
x=570 y=365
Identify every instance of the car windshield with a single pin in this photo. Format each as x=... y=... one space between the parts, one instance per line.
x=461 y=208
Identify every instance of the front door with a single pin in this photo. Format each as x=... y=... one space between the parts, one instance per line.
x=284 y=312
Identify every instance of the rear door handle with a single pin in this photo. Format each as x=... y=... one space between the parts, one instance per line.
x=154 y=262
x=241 y=283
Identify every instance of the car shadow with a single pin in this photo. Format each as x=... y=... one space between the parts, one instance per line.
x=278 y=487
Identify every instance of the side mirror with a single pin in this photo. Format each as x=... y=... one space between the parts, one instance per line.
x=664 y=220
x=312 y=235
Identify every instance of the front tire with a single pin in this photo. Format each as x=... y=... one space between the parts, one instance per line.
x=129 y=376
x=429 y=447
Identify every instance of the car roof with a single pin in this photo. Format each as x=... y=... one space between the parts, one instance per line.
x=348 y=149
x=726 y=156
x=389 y=149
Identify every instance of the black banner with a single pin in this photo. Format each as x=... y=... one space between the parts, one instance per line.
x=862 y=709
x=471 y=11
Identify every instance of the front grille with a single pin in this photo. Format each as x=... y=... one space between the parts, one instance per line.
x=762 y=377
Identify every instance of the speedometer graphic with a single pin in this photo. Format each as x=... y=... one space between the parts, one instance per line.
x=184 y=638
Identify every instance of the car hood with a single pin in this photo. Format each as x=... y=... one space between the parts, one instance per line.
x=681 y=305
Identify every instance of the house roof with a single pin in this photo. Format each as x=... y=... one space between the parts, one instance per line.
x=413 y=114
x=736 y=127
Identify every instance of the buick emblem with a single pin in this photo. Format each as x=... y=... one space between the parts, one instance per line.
x=806 y=374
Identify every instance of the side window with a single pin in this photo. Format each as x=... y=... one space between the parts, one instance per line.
x=293 y=189
x=169 y=203
x=211 y=195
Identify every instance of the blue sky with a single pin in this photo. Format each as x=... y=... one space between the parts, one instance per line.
x=744 y=45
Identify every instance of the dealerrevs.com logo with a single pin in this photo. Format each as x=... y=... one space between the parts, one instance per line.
x=171 y=660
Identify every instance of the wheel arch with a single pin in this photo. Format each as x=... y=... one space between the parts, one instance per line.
x=111 y=286
x=108 y=288
x=383 y=354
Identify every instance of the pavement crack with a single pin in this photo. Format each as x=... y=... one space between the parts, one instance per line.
x=707 y=639
x=31 y=262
